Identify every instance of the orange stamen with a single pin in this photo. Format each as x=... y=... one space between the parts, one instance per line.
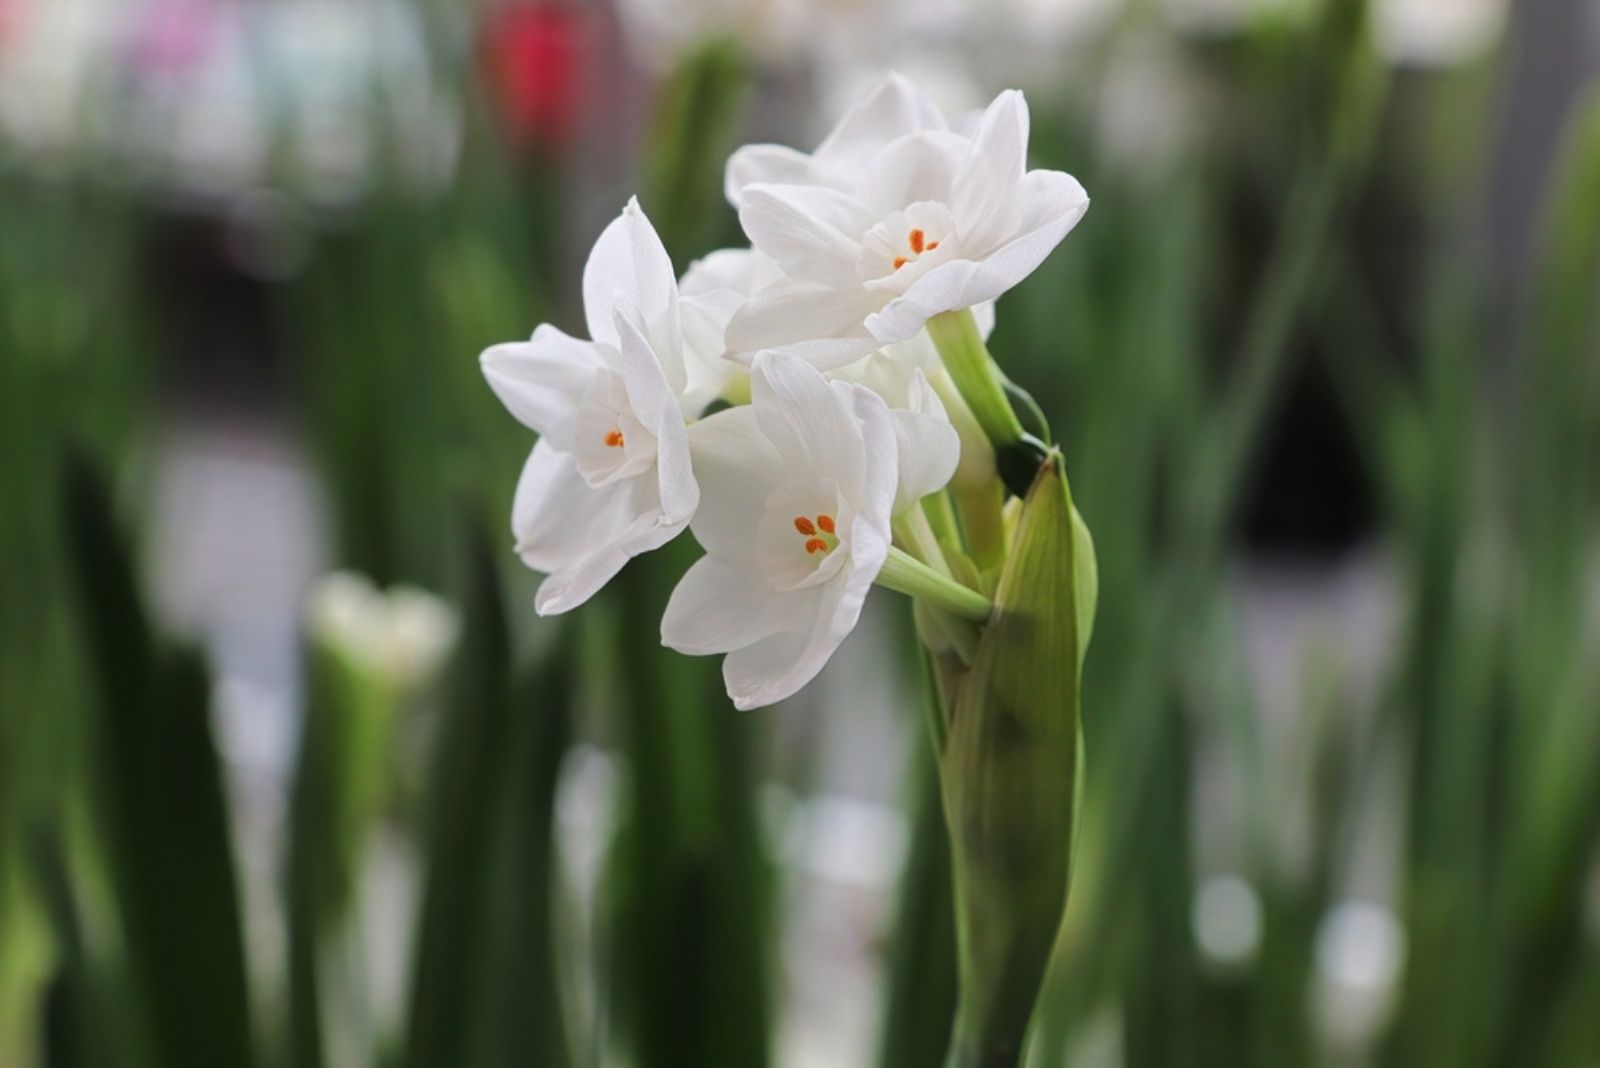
x=900 y=261
x=826 y=523
x=816 y=545
x=932 y=245
x=804 y=526
x=917 y=239
x=614 y=439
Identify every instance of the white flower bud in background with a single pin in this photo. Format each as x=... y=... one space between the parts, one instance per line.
x=47 y=66
x=1360 y=953
x=1437 y=33
x=1151 y=109
x=1226 y=917
x=400 y=636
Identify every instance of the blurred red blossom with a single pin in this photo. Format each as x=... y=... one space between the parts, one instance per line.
x=534 y=55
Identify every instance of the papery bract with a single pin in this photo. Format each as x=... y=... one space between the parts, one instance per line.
x=898 y=216
x=610 y=477
x=799 y=496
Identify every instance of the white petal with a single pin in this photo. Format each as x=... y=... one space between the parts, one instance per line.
x=572 y=586
x=984 y=196
x=580 y=536
x=928 y=446
x=717 y=608
x=737 y=469
x=895 y=108
x=764 y=163
x=628 y=262
x=1052 y=204
x=549 y=512
x=725 y=269
x=778 y=666
x=771 y=669
x=917 y=167
x=707 y=370
x=875 y=498
x=542 y=381
x=656 y=407
x=810 y=424
x=812 y=232
x=823 y=325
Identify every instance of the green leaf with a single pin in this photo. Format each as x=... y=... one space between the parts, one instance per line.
x=161 y=808
x=453 y=941
x=922 y=950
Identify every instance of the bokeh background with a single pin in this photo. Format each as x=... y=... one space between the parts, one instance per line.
x=291 y=775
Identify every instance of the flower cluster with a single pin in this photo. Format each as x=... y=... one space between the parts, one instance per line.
x=832 y=416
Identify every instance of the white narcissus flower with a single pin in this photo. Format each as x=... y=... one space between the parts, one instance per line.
x=400 y=635
x=610 y=477
x=801 y=489
x=898 y=216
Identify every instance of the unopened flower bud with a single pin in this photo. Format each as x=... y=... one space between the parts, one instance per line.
x=1012 y=769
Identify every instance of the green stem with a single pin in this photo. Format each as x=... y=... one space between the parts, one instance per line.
x=914 y=533
x=967 y=359
x=903 y=573
x=983 y=522
x=942 y=518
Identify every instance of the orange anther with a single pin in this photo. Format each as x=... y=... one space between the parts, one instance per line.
x=917 y=239
x=804 y=525
x=900 y=261
x=826 y=523
x=816 y=545
x=932 y=245
x=614 y=439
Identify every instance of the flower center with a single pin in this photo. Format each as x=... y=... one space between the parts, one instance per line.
x=821 y=535
x=907 y=244
x=609 y=442
x=917 y=241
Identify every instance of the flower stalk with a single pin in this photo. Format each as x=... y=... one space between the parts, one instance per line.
x=903 y=573
x=967 y=359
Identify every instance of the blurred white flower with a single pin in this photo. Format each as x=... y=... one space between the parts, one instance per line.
x=50 y=58
x=219 y=141
x=898 y=216
x=358 y=87
x=1437 y=33
x=401 y=635
x=1360 y=954
x=610 y=477
x=800 y=491
x=1226 y=918
x=1149 y=109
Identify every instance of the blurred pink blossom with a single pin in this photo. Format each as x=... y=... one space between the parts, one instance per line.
x=174 y=37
